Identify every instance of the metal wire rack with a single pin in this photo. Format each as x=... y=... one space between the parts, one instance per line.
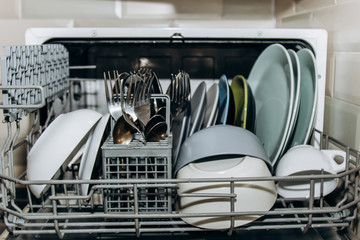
x=64 y=210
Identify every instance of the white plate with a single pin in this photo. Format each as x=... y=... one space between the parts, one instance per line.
x=91 y=152
x=57 y=146
x=77 y=158
x=250 y=196
x=272 y=82
x=212 y=101
x=308 y=98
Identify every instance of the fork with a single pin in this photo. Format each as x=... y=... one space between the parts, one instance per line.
x=179 y=92
x=142 y=100
x=132 y=91
x=128 y=103
x=172 y=92
x=155 y=87
x=113 y=101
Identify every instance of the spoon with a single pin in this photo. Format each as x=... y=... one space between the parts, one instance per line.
x=157 y=132
x=123 y=132
x=152 y=122
x=162 y=112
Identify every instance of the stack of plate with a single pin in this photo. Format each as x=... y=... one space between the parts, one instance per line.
x=285 y=91
x=277 y=102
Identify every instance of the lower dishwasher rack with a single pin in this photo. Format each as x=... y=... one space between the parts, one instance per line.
x=63 y=210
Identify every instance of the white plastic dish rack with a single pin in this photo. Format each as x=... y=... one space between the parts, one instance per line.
x=63 y=210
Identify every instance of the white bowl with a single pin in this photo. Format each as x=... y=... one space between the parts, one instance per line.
x=220 y=140
x=57 y=145
x=307 y=160
x=250 y=196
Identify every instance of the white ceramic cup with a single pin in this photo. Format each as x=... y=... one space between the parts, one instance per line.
x=307 y=160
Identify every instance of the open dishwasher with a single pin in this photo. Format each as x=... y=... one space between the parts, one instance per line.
x=61 y=70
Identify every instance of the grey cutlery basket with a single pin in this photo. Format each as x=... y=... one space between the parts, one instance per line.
x=138 y=160
x=133 y=161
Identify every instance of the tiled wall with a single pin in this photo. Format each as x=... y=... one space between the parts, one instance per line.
x=340 y=18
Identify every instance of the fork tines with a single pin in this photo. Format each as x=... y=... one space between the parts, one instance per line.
x=179 y=92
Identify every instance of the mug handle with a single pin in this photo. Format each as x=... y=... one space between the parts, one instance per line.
x=332 y=154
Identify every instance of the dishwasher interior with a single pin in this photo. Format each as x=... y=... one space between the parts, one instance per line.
x=140 y=200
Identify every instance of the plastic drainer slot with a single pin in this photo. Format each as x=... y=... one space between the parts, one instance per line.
x=30 y=68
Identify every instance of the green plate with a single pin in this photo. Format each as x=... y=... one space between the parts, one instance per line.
x=239 y=89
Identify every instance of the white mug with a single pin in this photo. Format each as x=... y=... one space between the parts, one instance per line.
x=307 y=160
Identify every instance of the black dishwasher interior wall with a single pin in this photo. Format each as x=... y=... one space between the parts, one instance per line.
x=203 y=58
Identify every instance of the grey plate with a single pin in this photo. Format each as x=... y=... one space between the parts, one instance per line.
x=220 y=140
x=272 y=81
x=308 y=98
x=198 y=104
x=212 y=101
x=297 y=81
x=251 y=111
x=180 y=129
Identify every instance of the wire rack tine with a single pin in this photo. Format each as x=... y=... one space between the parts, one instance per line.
x=111 y=88
x=116 y=78
x=106 y=89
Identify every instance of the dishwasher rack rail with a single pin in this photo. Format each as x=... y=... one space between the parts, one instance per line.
x=63 y=210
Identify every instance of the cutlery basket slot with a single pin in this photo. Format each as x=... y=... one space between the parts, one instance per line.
x=137 y=161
